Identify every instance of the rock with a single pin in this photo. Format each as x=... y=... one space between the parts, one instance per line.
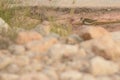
x=17 y=49
x=100 y=66
x=71 y=75
x=104 y=47
x=43 y=28
x=88 y=77
x=41 y=46
x=73 y=39
x=3 y=26
x=28 y=36
x=90 y=32
x=35 y=76
x=65 y=51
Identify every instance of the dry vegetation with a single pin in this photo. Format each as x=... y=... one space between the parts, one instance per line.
x=60 y=19
x=29 y=17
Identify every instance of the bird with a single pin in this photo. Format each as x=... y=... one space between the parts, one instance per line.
x=87 y=21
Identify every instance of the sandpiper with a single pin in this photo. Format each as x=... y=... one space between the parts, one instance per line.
x=87 y=21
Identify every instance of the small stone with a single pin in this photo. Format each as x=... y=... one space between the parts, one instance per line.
x=71 y=75
x=17 y=49
x=100 y=66
x=41 y=46
x=28 y=36
x=4 y=62
x=103 y=46
x=63 y=50
x=4 y=42
x=90 y=32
